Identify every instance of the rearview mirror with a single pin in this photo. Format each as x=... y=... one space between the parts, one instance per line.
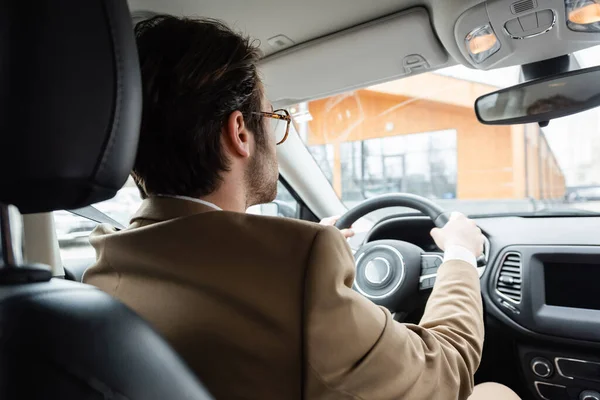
x=541 y=100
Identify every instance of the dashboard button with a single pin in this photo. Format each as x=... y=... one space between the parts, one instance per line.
x=589 y=395
x=529 y=22
x=542 y=367
x=426 y=283
x=427 y=262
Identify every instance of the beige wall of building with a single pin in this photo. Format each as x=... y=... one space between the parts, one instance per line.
x=493 y=162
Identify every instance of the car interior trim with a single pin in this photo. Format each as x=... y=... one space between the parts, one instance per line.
x=335 y=56
x=497 y=276
x=538 y=383
x=41 y=244
x=534 y=34
x=559 y=370
x=536 y=363
x=301 y=171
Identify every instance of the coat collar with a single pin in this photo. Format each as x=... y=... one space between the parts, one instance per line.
x=166 y=208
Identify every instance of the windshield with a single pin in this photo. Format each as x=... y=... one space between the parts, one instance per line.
x=420 y=135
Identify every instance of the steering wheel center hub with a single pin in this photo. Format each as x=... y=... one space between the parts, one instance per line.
x=378 y=271
x=387 y=273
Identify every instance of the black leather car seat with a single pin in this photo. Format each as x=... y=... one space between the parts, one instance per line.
x=70 y=106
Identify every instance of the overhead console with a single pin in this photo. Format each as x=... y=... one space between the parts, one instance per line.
x=499 y=33
x=392 y=47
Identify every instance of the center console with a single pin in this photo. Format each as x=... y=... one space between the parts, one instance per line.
x=553 y=291
x=561 y=375
x=550 y=290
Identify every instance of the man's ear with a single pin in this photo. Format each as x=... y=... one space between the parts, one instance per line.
x=236 y=135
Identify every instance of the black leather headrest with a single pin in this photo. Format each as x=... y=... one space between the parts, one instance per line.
x=70 y=102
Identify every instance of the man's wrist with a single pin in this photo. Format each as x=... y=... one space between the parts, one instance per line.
x=456 y=252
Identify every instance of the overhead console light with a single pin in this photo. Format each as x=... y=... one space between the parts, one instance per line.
x=481 y=43
x=583 y=15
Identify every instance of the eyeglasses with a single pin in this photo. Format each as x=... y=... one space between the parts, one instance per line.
x=280 y=123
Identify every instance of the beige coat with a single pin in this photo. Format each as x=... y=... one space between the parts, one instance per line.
x=262 y=308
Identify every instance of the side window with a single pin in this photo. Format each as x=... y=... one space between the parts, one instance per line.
x=73 y=231
x=284 y=205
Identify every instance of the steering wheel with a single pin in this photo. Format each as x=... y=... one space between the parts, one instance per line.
x=392 y=272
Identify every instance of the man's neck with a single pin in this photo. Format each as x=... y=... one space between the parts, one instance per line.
x=231 y=193
x=227 y=200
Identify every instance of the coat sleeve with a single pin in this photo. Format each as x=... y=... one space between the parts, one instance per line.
x=355 y=350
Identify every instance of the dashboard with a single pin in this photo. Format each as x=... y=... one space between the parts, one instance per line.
x=541 y=285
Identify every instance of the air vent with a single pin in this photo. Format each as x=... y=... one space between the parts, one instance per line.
x=522 y=6
x=509 y=279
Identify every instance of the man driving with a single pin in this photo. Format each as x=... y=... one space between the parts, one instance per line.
x=262 y=307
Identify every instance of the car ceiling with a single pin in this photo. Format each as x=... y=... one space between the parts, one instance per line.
x=301 y=21
x=304 y=20
x=311 y=24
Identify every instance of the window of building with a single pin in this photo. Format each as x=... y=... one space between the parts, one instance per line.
x=420 y=163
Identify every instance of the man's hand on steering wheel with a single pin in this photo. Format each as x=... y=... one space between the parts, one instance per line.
x=330 y=221
x=459 y=231
x=393 y=273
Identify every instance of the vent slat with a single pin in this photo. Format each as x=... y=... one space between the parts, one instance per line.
x=511 y=291
x=513 y=283
x=504 y=285
x=511 y=263
x=509 y=278
x=507 y=272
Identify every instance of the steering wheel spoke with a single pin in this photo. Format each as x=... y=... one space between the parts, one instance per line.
x=430 y=262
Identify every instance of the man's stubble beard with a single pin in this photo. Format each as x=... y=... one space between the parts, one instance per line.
x=261 y=178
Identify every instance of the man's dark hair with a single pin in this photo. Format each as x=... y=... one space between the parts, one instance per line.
x=195 y=73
